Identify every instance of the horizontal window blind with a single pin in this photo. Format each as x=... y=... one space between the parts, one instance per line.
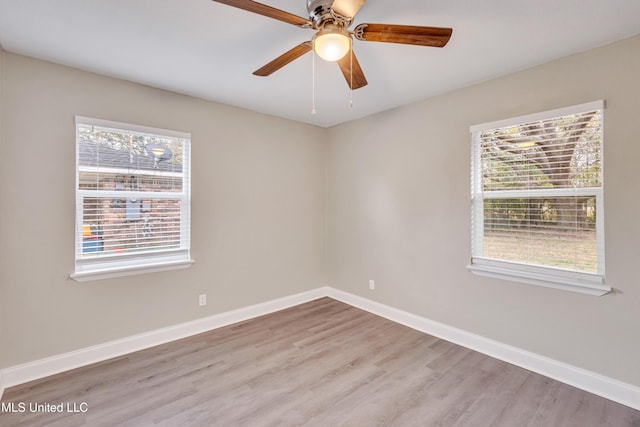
x=132 y=195
x=537 y=191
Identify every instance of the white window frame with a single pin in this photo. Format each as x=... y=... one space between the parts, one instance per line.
x=587 y=283
x=97 y=268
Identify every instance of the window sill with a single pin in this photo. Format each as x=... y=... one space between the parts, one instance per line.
x=580 y=283
x=110 y=273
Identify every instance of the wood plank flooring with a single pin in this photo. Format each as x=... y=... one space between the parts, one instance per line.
x=323 y=363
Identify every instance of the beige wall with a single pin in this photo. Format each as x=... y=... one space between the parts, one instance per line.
x=399 y=209
x=258 y=198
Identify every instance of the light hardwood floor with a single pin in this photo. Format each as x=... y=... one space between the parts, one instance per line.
x=323 y=363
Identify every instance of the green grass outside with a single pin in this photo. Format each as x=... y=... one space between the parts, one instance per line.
x=569 y=250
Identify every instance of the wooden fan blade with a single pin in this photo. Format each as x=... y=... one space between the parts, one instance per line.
x=271 y=12
x=357 y=76
x=405 y=34
x=347 y=8
x=283 y=59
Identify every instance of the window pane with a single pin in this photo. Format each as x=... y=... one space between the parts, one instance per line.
x=563 y=152
x=553 y=232
x=123 y=160
x=114 y=226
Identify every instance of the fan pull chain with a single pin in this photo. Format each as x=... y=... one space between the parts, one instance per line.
x=313 y=80
x=351 y=73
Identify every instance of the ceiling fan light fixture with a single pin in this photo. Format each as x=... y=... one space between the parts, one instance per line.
x=332 y=42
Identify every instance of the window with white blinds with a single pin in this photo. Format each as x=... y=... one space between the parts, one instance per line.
x=537 y=208
x=132 y=199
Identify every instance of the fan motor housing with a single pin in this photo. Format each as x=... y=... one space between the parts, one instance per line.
x=320 y=13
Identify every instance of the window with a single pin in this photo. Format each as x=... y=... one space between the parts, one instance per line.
x=537 y=209
x=132 y=199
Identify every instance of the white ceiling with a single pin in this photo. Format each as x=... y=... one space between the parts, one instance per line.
x=209 y=50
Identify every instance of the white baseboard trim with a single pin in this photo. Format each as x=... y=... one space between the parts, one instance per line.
x=30 y=371
x=600 y=385
x=608 y=388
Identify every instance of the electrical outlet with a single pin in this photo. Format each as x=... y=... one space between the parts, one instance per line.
x=202 y=300
x=372 y=284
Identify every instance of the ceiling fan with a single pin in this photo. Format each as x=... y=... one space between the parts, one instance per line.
x=332 y=41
